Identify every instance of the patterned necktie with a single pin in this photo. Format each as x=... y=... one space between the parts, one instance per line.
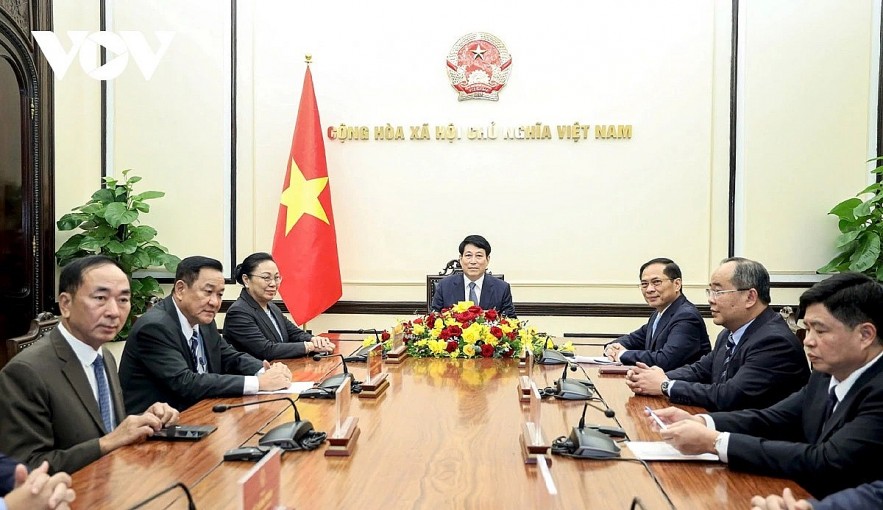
x=731 y=345
x=194 y=352
x=472 y=296
x=103 y=392
x=830 y=403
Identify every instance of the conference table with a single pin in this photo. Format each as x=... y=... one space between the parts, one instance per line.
x=444 y=434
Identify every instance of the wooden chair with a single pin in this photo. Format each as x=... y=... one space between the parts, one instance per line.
x=40 y=327
x=452 y=267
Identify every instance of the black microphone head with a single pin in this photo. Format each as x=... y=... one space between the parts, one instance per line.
x=573 y=367
x=316 y=357
x=610 y=413
x=220 y=408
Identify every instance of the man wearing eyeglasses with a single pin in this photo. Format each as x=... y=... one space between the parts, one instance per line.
x=176 y=354
x=756 y=360
x=472 y=285
x=675 y=334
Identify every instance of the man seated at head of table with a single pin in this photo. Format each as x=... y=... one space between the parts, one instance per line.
x=827 y=436
x=868 y=496
x=254 y=324
x=61 y=398
x=756 y=360
x=675 y=334
x=20 y=490
x=474 y=284
x=175 y=352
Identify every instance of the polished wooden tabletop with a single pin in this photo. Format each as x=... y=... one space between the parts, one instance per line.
x=445 y=434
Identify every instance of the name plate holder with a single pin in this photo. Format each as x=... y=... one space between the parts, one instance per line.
x=376 y=383
x=525 y=380
x=399 y=352
x=534 y=445
x=259 y=488
x=342 y=441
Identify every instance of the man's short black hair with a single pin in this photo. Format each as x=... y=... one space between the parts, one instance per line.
x=750 y=274
x=188 y=269
x=72 y=274
x=852 y=298
x=477 y=241
x=670 y=270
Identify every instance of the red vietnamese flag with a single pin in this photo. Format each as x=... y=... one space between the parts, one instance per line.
x=305 y=244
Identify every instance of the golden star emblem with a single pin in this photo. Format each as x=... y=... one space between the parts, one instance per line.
x=302 y=197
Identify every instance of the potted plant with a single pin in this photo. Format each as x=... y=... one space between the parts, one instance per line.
x=110 y=226
x=861 y=228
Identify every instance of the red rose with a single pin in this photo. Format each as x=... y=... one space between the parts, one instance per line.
x=385 y=335
x=511 y=335
x=418 y=320
x=496 y=331
x=487 y=350
x=475 y=310
x=490 y=314
x=509 y=353
x=445 y=334
x=455 y=330
x=452 y=346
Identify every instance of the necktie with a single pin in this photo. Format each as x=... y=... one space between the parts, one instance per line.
x=472 y=296
x=655 y=323
x=831 y=403
x=103 y=392
x=731 y=345
x=194 y=352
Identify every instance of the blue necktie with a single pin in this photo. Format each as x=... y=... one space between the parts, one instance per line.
x=103 y=392
x=731 y=346
x=830 y=403
x=194 y=352
x=472 y=296
x=655 y=323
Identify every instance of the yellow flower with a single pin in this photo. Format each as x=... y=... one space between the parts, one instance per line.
x=490 y=339
x=506 y=327
x=462 y=306
x=421 y=343
x=469 y=350
x=433 y=333
x=550 y=344
x=419 y=329
x=455 y=353
x=368 y=341
x=473 y=333
x=568 y=347
x=437 y=346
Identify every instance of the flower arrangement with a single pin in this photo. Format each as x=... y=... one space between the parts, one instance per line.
x=467 y=331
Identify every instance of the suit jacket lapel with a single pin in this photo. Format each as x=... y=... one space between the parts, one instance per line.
x=459 y=289
x=264 y=322
x=280 y=321
x=488 y=293
x=834 y=423
x=74 y=373
x=116 y=391
x=183 y=341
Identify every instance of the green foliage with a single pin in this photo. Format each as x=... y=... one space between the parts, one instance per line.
x=110 y=226
x=861 y=229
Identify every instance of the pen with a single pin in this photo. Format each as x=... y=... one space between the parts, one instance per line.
x=653 y=415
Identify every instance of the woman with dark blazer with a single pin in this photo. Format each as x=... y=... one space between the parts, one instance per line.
x=255 y=325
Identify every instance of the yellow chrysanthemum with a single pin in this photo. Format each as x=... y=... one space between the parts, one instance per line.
x=490 y=339
x=433 y=333
x=419 y=329
x=369 y=340
x=568 y=347
x=469 y=350
x=462 y=306
x=437 y=346
x=473 y=333
x=455 y=353
x=421 y=343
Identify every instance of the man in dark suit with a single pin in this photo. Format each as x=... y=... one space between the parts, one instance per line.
x=20 y=490
x=867 y=496
x=175 y=352
x=61 y=397
x=756 y=360
x=675 y=334
x=826 y=437
x=475 y=255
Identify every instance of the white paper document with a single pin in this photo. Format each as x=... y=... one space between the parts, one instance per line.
x=296 y=388
x=595 y=360
x=660 y=450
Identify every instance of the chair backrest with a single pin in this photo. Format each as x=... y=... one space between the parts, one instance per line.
x=40 y=327
x=452 y=267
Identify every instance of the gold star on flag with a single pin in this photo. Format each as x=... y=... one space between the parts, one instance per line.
x=302 y=197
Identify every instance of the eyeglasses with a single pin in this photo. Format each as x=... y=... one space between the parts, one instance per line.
x=267 y=278
x=718 y=293
x=655 y=282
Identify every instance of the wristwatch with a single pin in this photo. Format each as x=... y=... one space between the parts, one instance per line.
x=664 y=387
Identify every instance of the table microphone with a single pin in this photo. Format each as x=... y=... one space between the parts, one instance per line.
x=573 y=389
x=591 y=442
x=288 y=436
x=190 y=504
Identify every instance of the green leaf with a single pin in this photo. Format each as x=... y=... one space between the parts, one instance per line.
x=866 y=254
x=836 y=265
x=846 y=238
x=69 y=249
x=136 y=286
x=133 y=179
x=844 y=209
x=880 y=272
x=115 y=247
x=120 y=191
x=93 y=208
x=103 y=195
x=873 y=188
x=94 y=244
x=141 y=206
x=150 y=286
x=847 y=225
x=142 y=233
x=863 y=209
x=171 y=264
x=118 y=214
x=71 y=221
x=148 y=195
x=129 y=246
x=142 y=260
